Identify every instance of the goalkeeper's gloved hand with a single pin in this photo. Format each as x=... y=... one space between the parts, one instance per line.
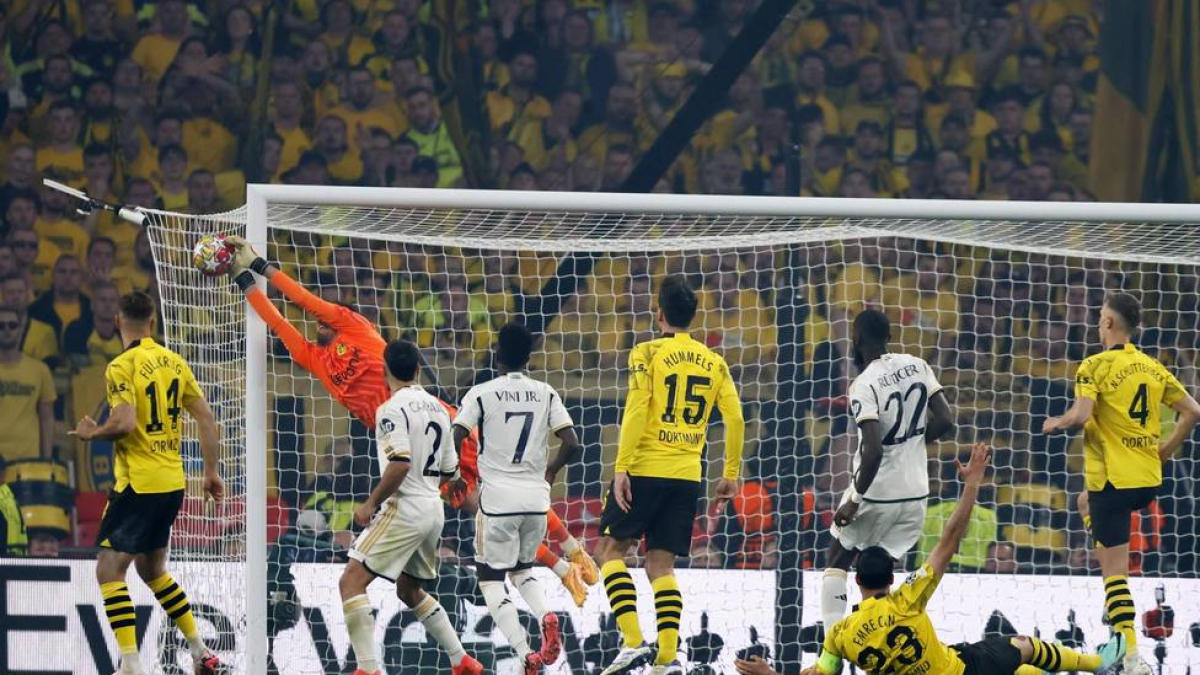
x=244 y=257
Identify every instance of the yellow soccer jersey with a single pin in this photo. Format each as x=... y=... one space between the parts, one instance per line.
x=159 y=384
x=1120 y=441
x=893 y=634
x=674 y=383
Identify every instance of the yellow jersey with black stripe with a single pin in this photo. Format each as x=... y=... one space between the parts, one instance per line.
x=1120 y=440
x=892 y=634
x=159 y=384
x=674 y=384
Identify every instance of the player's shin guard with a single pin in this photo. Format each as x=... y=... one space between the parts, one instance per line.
x=668 y=610
x=1118 y=609
x=529 y=588
x=123 y=621
x=360 y=623
x=833 y=596
x=431 y=615
x=504 y=613
x=175 y=603
x=622 y=598
x=1056 y=658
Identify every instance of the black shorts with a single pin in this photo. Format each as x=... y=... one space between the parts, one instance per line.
x=663 y=511
x=138 y=523
x=991 y=656
x=1111 y=508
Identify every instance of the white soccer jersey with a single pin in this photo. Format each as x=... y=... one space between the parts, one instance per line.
x=895 y=390
x=413 y=426
x=516 y=416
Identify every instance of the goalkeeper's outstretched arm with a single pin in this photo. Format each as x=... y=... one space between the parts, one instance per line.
x=247 y=259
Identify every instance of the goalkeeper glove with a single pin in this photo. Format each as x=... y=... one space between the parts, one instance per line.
x=245 y=258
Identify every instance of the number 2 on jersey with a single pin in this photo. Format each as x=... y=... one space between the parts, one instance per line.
x=430 y=466
x=156 y=426
x=694 y=413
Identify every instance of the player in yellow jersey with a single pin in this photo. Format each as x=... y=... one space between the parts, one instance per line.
x=148 y=387
x=674 y=384
x=1118 y=394
x=890 y=631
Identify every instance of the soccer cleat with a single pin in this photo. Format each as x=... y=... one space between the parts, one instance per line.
x=575 y=586
x=551 y=639
x=467 y=666
x=533 y=664
x=1111 y=653
x=1135 y=665
x=587 y=567
x=208 y=664
x=630 y=658
x=672 y=668
x=360 y=671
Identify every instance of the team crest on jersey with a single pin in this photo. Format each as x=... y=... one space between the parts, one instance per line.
x=387 y=425
x=341 y=349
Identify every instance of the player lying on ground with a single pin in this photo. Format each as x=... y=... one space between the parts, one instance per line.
x=898 y=406
x=890 y=631
x=1118 y=395
x=348 y=359
x=675 y=383
x=400 y=543
x=515 y=416
x=148 y=385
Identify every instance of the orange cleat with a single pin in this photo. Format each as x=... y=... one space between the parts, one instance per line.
x=468 y=666
x=551 y=640
x=587 y=567
x=208 y=664
x=360 y=671
x=533 y=664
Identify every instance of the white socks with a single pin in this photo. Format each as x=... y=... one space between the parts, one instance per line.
x=527 y=584
x=504 y=613
x=131 y=664
x=360 y=623
x=437 y=623
x=197 y=648
x=833 y=596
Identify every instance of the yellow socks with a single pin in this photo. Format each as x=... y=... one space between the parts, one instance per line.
x=174 y=602
x=668 y=608
x=121 y=617
x=622 y=598
x=1118 y=609
x=1057 y=658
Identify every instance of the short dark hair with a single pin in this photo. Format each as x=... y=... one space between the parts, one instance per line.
x=874 y=567
x=516 y=344
x=1127 y=307
x=677 y=300
x=872 y=325
x=98 y=240
x=137 y=307
x=402 y=358
x=171 y=149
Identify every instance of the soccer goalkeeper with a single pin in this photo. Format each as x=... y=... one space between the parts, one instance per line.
x=347 y=358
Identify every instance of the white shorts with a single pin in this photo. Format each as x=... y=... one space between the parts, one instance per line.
x=403 y=537
x=896 y=526
x=503 y=542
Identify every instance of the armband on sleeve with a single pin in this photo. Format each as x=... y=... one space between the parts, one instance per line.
x=828 y=664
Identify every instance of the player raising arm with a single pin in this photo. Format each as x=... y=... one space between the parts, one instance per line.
x=891 y=633
x=898 y=406
x=674 y=384
x=348 y=359
x=1118 y=395
x=401 y=542
x=515 y=416
x=148 y=386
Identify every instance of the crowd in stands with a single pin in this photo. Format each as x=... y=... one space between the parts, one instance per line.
x=176 y=105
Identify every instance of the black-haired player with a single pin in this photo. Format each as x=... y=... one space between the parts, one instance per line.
x=516 y=416
x=1118 y=395
x=890 y=632
x=898 y=406
x=675 y=383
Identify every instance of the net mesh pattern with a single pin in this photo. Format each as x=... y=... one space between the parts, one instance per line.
x=1003 y=311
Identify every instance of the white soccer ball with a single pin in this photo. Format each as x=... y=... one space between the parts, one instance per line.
x=212 y=255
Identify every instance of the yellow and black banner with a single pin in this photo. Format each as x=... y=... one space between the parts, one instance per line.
x=1145 y=144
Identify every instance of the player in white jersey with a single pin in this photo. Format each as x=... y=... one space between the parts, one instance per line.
x=516 y=416
x=898 y=407
x=412 y=432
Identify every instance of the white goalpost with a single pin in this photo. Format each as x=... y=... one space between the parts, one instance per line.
x=1000 y=297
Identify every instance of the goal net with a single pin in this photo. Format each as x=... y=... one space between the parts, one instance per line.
x=1001 y=299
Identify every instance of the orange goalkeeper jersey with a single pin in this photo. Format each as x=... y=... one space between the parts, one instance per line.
x=351 y=367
